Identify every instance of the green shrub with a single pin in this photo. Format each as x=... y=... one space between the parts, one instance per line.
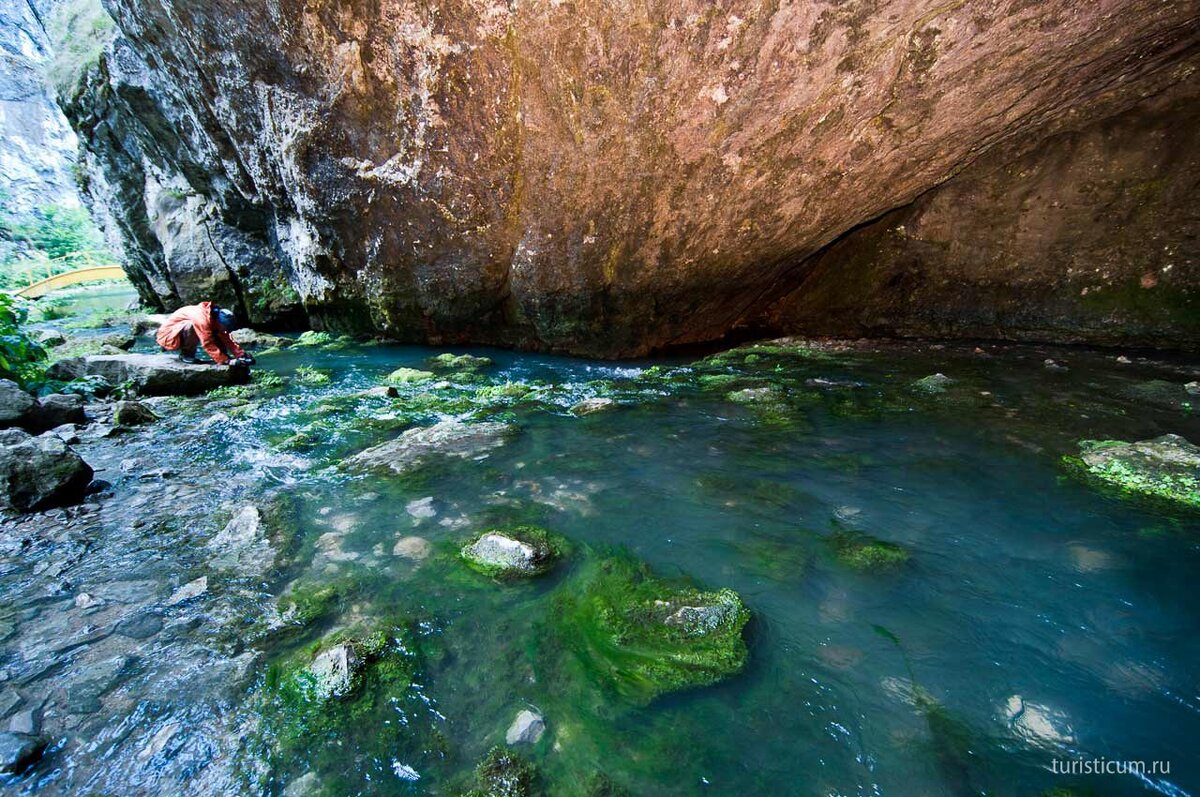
x=79 y=31
x=21 y=358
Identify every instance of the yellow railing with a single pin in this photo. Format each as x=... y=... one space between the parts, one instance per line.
x=53 y=283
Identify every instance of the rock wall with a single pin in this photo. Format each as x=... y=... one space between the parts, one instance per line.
x=37 y=147
x=598 y=176
x=1091 y=237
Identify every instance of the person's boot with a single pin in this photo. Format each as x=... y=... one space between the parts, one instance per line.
x=189 y=359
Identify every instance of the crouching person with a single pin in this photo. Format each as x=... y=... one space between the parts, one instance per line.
x=203 y=325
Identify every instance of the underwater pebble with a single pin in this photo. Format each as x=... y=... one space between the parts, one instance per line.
x=421 y=508
x=415 y=548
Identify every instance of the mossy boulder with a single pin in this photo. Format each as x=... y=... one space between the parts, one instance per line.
x=514 y=552
x=934 y=383
x=643 y=636
x=1166 y=468
x=313 y=338
x=591 y=406
x=405 y=376
x=312 y=377
x=863 y=552
x=458 y=362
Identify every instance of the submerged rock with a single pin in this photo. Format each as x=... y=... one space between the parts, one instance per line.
x=643 y=636
x=415 y=548
x=450 y=438
x=517 y=552
x=503 y=774
x=39 y=472
x=1166 y=467
x=19 y=751
x=934 y=383
x=150 y=374
x=527 y=728
x=862 y=552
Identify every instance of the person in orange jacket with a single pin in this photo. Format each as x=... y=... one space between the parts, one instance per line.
x=205 y=325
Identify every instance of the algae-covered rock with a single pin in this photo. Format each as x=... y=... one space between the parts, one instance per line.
x=516 y=552
x=1166 y=467
x=592 y=405
x=934 y=383
x=312 y=377
x=333 y=671
x=450 y=438
x=863 y=552
x=458 y=362
x=404 y=376
x=643 y=636
x=132 y=413
x=503 y=774
x=324 y=705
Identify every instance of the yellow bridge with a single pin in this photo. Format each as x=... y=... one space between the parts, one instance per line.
x=89 y=274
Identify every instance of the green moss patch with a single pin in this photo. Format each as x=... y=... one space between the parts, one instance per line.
x=643 y=636
x=375 y=717
x=404 y=376
x=1166 y=468
x=458 y=362
x=503 y=774
x=863 y=552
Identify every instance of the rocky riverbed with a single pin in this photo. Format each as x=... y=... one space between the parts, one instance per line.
x=376 y=569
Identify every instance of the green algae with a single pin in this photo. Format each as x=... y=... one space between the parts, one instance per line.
x=312 y=377
x=304 y=729
x=863 y=552
x=404 y=376
x=262 y=383
x=641 y=636
x=1164 y=469
x=315 y=339
x=503 y=773
x=458 y=362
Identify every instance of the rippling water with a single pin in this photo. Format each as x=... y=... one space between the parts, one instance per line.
x=1037 y=620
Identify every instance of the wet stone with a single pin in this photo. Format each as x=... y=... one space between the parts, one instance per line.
x=189 y=591
x=19 y=751
x=93 y=682
x=140 y=626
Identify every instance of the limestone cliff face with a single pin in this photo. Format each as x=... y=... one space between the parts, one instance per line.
x=596 y=176
x=1092 y=237
x=37 y=148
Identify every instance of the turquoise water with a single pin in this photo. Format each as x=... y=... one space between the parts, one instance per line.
x=1036 y=620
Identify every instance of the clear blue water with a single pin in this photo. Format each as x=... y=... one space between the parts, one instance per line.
x=1037 y=620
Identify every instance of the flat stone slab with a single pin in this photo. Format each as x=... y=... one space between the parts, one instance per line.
x=450 y=438
x=151 y=374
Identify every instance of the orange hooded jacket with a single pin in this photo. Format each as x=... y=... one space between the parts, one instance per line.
x=213 y=336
